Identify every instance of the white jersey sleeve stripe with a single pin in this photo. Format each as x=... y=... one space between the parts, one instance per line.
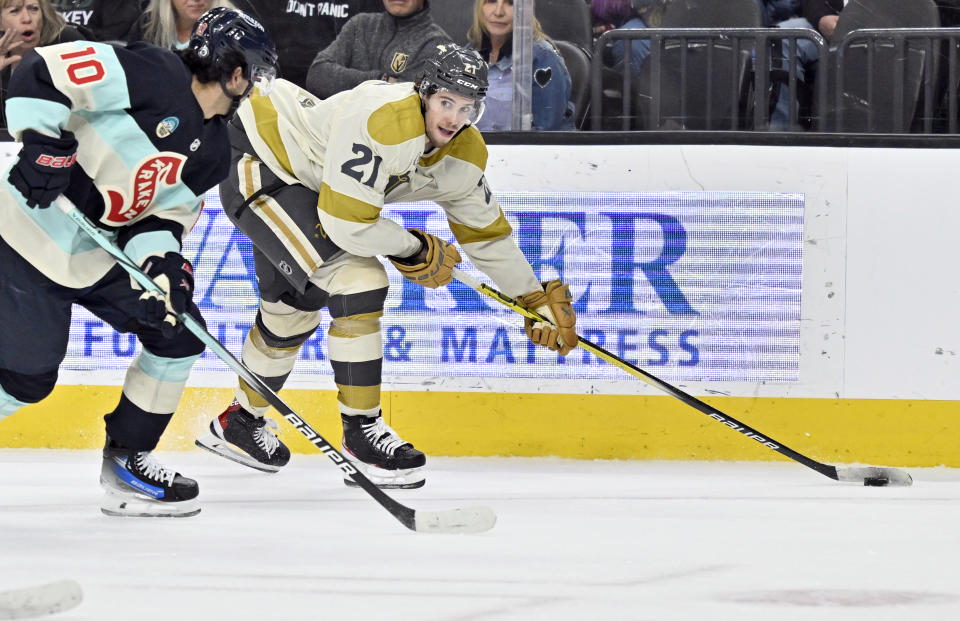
x=46 y=117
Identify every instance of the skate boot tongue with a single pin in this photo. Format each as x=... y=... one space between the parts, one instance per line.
x=265 y=435
x=148 y=465
x=382 y=436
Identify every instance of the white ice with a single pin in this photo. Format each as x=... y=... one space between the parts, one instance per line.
x=575 y=540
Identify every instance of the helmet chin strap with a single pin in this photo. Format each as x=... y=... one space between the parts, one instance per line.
x=235 y=100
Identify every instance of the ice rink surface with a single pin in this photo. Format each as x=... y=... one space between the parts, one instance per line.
x=574 y=540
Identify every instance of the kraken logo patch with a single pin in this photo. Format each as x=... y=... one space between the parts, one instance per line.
x=167 y=126
x=153 y=175
x=399 y=62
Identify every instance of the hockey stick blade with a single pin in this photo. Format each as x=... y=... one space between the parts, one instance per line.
x=869 y=475
x=454 y=521
x=39 y=601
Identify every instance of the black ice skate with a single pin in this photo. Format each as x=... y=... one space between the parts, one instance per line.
x=137 y=485
x=378 y=452
x=244 y=438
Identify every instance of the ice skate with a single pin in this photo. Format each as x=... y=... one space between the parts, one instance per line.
x=136 y=485
x=246 y=439
x=378 y=452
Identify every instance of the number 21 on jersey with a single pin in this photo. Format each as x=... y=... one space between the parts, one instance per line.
x=356 y=167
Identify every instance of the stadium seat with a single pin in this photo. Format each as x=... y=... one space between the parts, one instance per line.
x=577 y=61
x=858 y=14
x=454 y=16
x=712 y=89
x=566 y=20
x=712 y=14
x=862 y=108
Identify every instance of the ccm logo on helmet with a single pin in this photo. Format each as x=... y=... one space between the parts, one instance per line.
x=60 y=161
x=463 y=82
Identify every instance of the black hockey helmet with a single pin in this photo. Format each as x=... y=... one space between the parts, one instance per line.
x=223 y=38
x=456 y=69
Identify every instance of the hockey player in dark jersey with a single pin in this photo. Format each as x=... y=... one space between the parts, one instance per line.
x=133 y=137
x=312 y=209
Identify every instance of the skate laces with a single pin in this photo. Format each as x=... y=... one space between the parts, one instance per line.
x=148 y=465
x=266 y=437
x=382 y=436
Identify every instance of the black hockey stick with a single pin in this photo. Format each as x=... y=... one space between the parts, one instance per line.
x=466 y=520
x=866 y=475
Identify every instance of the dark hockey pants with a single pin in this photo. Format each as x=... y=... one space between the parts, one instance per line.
x=36 y=313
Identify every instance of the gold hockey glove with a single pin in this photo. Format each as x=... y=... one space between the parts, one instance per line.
x=432 y=265
x=552 y=303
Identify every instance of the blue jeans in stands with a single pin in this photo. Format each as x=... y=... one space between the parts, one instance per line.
x=807 y=55
x=639 y=48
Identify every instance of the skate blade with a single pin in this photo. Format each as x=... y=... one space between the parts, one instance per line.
x=119 y=504
x=389 y=479
x=222 y=448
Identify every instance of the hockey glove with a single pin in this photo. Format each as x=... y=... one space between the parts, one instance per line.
x=552 y=303
x=174 y=275
x=43 y=171
x=431 y=267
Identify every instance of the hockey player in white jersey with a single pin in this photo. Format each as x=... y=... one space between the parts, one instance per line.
x=308 y=182
x=134 y=137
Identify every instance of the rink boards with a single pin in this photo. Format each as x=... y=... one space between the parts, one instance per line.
x=806 y=291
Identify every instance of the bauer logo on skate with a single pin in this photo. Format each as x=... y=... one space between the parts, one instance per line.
x=695 y=286
x=123 y=206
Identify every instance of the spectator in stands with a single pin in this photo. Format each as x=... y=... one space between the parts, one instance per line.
x=799 y=14
x=26 y=24
x=777 y=11
x=168 y=23
x=492 y=34
x=821 y=15
x=389 y=46
x=627 y=15
x=301 y=32
x=104 y=20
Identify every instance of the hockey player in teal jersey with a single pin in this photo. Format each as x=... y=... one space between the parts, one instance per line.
x=134 y=137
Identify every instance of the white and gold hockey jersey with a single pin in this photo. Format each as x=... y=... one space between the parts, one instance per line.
x=366 y=146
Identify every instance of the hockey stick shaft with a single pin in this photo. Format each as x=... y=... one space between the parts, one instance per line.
x=894 y=477
x=426 y=522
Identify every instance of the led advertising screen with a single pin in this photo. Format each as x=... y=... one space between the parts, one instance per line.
x=692 y=286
